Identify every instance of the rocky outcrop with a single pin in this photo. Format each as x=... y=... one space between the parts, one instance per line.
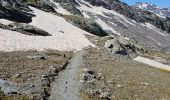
x=121 y=46
x=15 y=11
x=85 y=24
x=69 y=5
x=28 y=29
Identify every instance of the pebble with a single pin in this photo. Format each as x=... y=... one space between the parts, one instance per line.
x=44 y=76
x=52 y=67
x=32 y=85
x=113 y=97
x=111 y=82
x=100 y=76
x=18 y=75
x=119 y=86
x=145 y=84
x=87 y=70
x=81 y=81
x=104 y=95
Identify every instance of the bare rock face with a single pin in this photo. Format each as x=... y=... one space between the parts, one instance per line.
x=15 y=11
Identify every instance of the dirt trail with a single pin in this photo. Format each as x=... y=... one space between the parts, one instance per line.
x=66 y=86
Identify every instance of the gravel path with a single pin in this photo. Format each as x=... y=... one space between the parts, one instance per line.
x=66 y=86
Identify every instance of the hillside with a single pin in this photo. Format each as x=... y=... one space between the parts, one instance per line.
x=82 y=50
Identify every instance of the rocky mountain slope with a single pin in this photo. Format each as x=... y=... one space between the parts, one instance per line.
x=105 y=49
x=162 y=12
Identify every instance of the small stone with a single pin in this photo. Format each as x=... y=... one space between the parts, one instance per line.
x=52 y=67
x=18 y=75
x=119 y=86
x=81 y=81
x=44 y=76
x=113 y=97
x=87 y=70
x=100 y=76
x=135 y=95
x=32 y=85
x=110 y=82
x=30 y=75
x=104 y=95
x=145 y=84
x=91 y=81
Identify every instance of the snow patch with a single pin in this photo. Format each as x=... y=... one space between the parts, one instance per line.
x=106 y=27
x=152 y=63
x=73 y=38
x=150 y=26
x=5 y=22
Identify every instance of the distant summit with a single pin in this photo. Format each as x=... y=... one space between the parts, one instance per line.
x=162 y=12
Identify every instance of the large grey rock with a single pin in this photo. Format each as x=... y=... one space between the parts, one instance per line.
x=114 y=45
x=121 y=46
x=7 y=87
x=28 y=29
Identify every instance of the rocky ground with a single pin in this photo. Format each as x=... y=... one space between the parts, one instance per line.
x=105 y=71
x=31 y=72
x=90 y=74
x=113 y=78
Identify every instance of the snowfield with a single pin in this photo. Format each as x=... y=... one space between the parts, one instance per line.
x=65 y=36
x=152 y=63
x=5 y=22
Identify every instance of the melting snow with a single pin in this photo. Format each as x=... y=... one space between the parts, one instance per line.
x=105 y=26
x=73 y=38
x=61 y=10
x=150 y=26
x=152 y=63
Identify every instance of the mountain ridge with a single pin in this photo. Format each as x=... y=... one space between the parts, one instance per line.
x=162 y=12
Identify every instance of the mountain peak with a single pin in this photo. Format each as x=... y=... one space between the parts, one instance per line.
x=162 y=12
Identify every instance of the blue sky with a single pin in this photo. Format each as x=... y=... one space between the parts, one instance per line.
x=161 y=3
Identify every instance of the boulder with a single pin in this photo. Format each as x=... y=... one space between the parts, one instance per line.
x=7 y=87
x=121 y=46
x=114 y=46
x=28 y=29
